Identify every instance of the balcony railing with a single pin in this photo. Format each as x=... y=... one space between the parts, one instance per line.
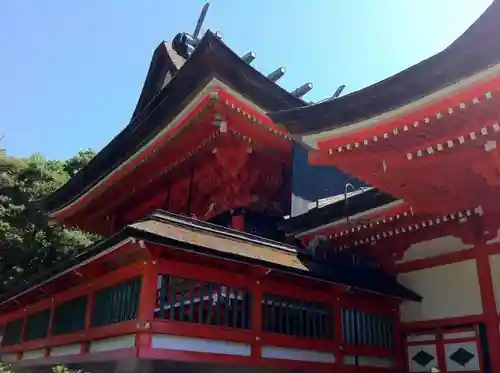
x=211 y=301
x=208 y=303
x=296 y=317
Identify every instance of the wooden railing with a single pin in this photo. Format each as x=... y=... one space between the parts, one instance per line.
x=366 y=329
x=116 y=303
x=12 y=332
x=204 y=303
x=69 y=317
x=297 y=317
x=209 y=303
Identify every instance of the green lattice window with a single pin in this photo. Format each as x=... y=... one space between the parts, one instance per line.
x=363 y=328
x=202 y=302
x=37 y=325
x=69 y=317
x=12 y=332
x=116 y=303
x=300 y=318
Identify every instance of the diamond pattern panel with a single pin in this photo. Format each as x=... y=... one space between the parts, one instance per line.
x=422 y=357
x=462 y=357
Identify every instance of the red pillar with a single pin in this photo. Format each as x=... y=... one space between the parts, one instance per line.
x=88 y=318
x=147 y=303
x=238 y=221
x=51 y=324
x=489 y=306
x=257 y=318
x=399 y=345
x=337 y=328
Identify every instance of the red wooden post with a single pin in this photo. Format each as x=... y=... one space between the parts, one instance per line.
x=88 y=318
x=23 y=329
x=399 y=345
x=238 y=221
x=489 y=305
x=337 y=327
x=51 y=323
x=147 y=304
x=257 y=318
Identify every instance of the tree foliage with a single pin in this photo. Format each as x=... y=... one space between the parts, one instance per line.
x=7 y=368
x=27 y=243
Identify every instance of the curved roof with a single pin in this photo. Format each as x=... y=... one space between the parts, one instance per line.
x=166 y=62
x=474 y=51
x=176 y=232
x=170 y=84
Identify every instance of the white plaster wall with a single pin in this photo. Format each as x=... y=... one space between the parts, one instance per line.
x=495 y=275
x=450 y=290
x=495 y=240
x=435 y=247
x=211 y=346
x=110 y=344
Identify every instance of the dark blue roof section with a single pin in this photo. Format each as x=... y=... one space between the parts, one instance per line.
x=312 y=183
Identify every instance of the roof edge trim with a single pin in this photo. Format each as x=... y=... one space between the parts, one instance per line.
x=312 y=139
x=168 y=217
x=355 y=216
x=213 y=84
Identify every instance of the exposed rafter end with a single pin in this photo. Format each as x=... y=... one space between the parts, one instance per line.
x=276 y=74
x=302 y=90
x=248 y=57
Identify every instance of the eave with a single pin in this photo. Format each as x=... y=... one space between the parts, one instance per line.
x=320 y=218
x=174 y=232
x=472 y=53
x=194 y=135
x=211 y=62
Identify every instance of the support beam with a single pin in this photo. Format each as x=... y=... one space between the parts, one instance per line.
x=238 y=220
x=147 y=304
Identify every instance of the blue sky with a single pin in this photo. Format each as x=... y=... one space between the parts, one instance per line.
x=71 y=70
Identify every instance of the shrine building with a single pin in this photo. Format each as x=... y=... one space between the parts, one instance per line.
x=245 y=227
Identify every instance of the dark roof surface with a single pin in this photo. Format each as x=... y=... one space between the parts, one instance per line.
x=476 y=50
x=159 y=103
x=164 y=65
x=182 y=233
x=336 y=211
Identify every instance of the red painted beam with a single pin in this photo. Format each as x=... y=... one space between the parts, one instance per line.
x=198 y=272
x=135 y=162
x=442 y=105
x=187 y=329
x=108 y=331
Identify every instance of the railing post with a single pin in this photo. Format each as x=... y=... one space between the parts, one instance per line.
x=51 y=322
x=337 y=329
x=257 y=317
x=399 y=340
x=147 y=304
x=23 y=329
x=88 y=318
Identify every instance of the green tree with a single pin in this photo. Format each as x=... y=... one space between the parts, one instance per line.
x=6 y=368
x=27 y=243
